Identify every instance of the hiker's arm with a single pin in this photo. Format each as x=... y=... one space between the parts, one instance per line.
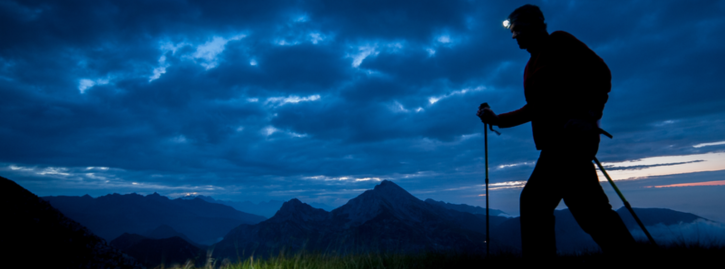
x=515 y=118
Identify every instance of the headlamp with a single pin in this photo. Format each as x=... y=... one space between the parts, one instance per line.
x=507 y=24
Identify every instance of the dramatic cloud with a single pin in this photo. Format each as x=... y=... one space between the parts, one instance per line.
x=255 y=100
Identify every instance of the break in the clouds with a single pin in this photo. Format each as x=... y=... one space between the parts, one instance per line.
x=320 y=99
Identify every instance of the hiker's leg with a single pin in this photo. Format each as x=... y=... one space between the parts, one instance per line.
x=591 y=209
x=539 y=199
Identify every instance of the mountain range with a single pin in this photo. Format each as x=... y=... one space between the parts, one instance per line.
x=111 y=215
x=266 y=209
x=386 y=218
x=269 y=208
x=389 y=219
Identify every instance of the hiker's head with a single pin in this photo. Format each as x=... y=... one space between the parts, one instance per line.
x=527 y=26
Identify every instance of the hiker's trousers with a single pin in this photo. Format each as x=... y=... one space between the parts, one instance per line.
x=569 y=175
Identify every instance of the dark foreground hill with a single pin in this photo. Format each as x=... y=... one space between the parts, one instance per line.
x=154 y=252
x=111 y=215
x=37 y=235
x=385 y=219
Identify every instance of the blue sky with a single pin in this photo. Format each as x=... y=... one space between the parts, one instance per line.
x=320 y=100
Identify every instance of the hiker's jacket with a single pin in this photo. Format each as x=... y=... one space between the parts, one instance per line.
x=564 y=80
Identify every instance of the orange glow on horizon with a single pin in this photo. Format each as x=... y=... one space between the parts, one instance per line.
x=648 y=167
x=706 y=183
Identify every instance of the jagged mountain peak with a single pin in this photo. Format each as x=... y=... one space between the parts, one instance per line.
x=206 y=198
x=115 y=194
x=388 y=186
x=386 y=183
x=385 y=197
x=296 y=205
x=293 y=204
x=296 y=210
x=391 y=192
x=156 y=195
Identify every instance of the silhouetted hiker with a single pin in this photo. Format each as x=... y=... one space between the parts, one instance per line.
x=566 y=86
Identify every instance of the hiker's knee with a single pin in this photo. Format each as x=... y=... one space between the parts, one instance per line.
x=541 y=194
x=527 y=201
x=533 y=204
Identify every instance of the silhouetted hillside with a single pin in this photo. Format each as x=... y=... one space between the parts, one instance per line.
x=154 y=252
x=39 y=236
x=112 y=215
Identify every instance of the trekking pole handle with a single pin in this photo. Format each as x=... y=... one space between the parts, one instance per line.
x=490 y=126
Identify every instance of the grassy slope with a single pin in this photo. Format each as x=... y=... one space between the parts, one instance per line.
x=676 y=255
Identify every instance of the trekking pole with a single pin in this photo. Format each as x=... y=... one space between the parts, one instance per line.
x=626 y=204
x=485 y=141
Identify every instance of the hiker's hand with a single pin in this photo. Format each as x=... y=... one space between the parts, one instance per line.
x=487 y=116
